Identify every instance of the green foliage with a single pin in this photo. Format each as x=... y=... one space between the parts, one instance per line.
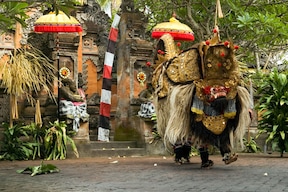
x=23 y=142
x=273 y=108
x=194 y=151
x=255 y=25
x=251 y=145
x=41 y=169
x=59 y=5
x=154 y=117
x=103 y=3
x=37 y=134
x=15 y=11
x=263 y=26
x=155 y=134
x=12 y=12
x=14 y=146
x=55 y=141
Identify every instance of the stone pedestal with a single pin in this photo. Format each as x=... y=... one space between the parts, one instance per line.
x=83 y=132
x=147 y=127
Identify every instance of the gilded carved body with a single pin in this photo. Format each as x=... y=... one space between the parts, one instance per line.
x=199 y=93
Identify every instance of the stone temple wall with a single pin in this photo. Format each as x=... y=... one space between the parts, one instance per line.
x=128 y=63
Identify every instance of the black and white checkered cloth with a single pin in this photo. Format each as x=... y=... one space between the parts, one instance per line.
x=146 y=110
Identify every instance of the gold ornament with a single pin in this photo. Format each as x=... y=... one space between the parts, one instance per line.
x=141 y=77
x=64 y=72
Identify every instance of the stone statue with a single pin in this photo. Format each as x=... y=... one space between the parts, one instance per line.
x=73 y=107
x=147 y=108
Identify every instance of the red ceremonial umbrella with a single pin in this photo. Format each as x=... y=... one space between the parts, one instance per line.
x=60 y=23
x=176 y=29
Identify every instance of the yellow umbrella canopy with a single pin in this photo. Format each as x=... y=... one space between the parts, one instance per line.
x=175 y=28
x=55 y=23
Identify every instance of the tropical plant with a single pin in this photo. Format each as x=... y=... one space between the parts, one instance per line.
x=23 y=142
x=273 y=108
x=155 y=135
x=56 y=141
x=41 y=169
x=36 y=133
x=251 y=145
x=15 y=145
x=12 y=12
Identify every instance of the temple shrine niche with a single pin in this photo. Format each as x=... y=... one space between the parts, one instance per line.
x=131 y=58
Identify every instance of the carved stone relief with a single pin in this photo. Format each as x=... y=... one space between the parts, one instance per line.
x=30 y=25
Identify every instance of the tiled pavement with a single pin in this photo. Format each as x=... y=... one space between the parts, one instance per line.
x=251 y=173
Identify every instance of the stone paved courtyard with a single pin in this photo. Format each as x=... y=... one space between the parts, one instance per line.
x=251 y=173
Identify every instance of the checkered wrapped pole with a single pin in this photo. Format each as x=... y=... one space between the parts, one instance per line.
x=105 y=102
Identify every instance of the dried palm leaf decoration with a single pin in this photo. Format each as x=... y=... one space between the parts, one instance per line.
x=27 y=71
